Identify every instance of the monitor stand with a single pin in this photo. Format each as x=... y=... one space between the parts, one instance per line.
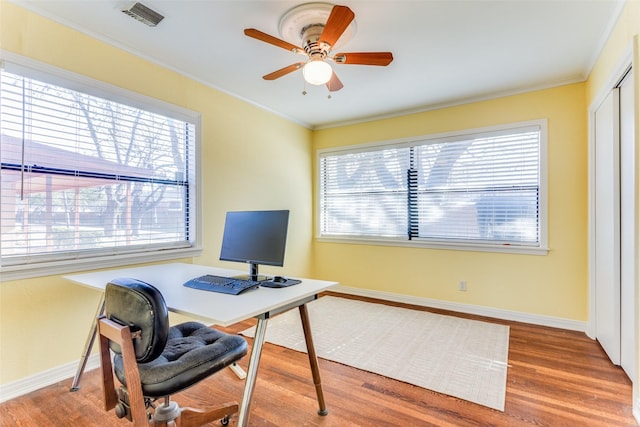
x=254 y=271
x=253 y=274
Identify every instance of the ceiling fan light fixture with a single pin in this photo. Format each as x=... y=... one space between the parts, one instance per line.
x=317 y=72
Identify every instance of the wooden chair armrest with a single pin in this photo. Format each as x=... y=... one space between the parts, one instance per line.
x=121 y=335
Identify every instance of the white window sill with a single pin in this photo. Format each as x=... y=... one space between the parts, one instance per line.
x=26 y=271
x=470 y=247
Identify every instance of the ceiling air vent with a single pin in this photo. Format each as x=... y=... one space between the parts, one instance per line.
x=143 y=14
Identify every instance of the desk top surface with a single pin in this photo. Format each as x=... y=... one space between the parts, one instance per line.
x=218 y=308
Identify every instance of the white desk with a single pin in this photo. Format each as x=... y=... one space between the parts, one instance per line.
x=219 y=309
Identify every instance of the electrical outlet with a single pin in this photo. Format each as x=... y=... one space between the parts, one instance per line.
x=462 y=285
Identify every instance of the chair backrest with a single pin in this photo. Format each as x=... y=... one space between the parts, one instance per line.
x=140 y=306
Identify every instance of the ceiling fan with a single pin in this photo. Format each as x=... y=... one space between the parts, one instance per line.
x=318 y=38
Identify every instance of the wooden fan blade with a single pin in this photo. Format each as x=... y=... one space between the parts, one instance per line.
x=283 y=71
x=338 y=21
x=334 y=83
x=257 y=34
x=364 y=58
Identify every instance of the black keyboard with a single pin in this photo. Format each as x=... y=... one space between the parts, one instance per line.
x=225 y=285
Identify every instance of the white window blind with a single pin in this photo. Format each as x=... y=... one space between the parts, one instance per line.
x=482 y=187
x=365 y=193
x=84 y=176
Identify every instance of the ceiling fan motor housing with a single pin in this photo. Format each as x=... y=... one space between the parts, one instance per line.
x=311 y=43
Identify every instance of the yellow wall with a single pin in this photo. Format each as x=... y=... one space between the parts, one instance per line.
x=552 y=285
x=44 y=321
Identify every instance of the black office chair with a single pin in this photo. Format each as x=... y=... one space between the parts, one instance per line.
x=153 y=361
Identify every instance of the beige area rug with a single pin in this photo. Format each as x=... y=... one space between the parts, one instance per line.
x=459 y=357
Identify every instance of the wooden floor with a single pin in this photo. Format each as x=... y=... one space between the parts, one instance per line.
x=555 y=378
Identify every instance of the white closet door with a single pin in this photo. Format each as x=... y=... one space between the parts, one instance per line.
x=607 y=226
x=628 y=257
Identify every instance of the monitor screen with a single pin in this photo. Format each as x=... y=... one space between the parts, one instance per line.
x=255 y=237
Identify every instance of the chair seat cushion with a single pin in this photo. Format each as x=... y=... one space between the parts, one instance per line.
x=193 y=352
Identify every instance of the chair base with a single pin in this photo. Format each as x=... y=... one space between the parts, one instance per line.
x=173 y=415
x=191 y=417
x=166 y=412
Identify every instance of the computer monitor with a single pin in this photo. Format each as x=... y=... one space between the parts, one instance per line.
x=255 y=237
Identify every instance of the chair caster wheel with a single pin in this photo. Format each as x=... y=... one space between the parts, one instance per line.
x=225 y=421
x=121 y=410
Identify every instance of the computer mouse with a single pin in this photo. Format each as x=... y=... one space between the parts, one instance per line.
x=279 y=279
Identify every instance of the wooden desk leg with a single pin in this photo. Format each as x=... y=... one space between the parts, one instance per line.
x=313 y=359
x=252 y=371
x=93 y=331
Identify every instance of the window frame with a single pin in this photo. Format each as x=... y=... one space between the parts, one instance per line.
x=30 y=68
x=431 y=243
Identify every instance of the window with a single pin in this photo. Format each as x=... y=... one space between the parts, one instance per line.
x=87 y=178
x=481 y=189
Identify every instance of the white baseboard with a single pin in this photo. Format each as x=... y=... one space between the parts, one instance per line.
x=34 y=382
x=535 y=319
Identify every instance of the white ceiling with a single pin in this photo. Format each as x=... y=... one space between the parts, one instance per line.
x=445 y=51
